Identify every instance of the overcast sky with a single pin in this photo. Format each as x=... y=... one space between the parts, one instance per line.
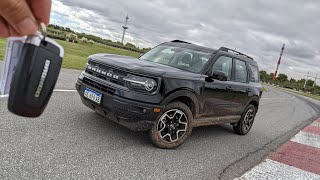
x=258 y=28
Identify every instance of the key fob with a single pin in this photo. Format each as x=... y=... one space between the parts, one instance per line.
x=35 y=76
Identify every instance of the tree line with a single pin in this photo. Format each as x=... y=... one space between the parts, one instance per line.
x=64 y=33
x=282 y=80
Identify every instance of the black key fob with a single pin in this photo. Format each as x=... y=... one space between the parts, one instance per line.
x=35 y=76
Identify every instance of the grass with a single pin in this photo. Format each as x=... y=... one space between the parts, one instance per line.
x=264 y=89
x=2 y=48
x=313 y=96
x=76 y=54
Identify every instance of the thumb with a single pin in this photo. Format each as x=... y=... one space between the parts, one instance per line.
x=19 y=16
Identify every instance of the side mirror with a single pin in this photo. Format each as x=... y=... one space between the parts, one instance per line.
x=219 y=75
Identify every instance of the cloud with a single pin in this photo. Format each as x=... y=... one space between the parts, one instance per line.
x=256 y=27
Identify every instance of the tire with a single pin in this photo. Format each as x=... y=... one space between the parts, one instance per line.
x=173 y=127
x=246 y=121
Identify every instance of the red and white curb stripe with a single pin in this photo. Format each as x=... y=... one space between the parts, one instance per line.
x=299 y=158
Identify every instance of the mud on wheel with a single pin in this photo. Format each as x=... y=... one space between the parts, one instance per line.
x=246 y=121
x=173 y=127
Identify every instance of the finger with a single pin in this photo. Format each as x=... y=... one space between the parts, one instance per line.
x=4 y=31
x=41 y=10
x=13 y=32
x=7 y=29
x=18 y=14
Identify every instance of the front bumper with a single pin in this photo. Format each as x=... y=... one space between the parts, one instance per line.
x=132 y=114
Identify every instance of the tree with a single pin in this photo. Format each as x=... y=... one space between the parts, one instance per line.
x=292 y=80
x=282 y=78
x=130 y=45
x=72 y=37
x=310 y=82
x=264 y=76
x=301 y=81
x=84 y=40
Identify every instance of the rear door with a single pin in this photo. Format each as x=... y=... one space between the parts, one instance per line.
x=218 y=96
x=241 y=85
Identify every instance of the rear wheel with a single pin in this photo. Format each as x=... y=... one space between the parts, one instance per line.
x=246 y=121
x=173 y=127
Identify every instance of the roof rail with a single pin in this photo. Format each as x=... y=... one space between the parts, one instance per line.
x=179 y=41
x=234 y=51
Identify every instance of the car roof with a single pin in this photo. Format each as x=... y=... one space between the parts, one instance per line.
x=190 y=46
x=223 y=50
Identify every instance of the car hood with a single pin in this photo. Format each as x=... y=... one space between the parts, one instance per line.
x=141 y=66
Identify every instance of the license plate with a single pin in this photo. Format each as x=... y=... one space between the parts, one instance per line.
x=93 y=95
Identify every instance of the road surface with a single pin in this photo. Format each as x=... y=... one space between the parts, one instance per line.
x=71 y=141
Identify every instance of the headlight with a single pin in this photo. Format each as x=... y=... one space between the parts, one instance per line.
x=140 y=83
x=81 y=76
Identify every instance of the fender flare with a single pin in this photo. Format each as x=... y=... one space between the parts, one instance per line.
x=253 y=99
x=183 y=93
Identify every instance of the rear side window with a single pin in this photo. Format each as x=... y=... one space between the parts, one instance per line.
x=241 y=71
x=224 y=64
x=255 y=73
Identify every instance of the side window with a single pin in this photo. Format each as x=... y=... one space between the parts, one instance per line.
x=164 y=56
x=185 y=60
x=224 y=64
x=255 y=73
x=241 y=71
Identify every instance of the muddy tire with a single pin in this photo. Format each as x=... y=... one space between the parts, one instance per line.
x=173 y=127
x=246 y=121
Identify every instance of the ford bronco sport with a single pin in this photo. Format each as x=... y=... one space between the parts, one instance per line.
x=173 y=88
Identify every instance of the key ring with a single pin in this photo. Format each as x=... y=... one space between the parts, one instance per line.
x=43 y=30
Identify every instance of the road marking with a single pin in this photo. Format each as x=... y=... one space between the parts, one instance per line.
x=4 y=96
x=299 y=156
x=64 y=90
x=315 y=129
x=55 y=90
x=316 y=124
x=280 y=98
x=274 y=170
x=307 y=138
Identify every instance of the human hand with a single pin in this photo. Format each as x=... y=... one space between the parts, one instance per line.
x=22 y=17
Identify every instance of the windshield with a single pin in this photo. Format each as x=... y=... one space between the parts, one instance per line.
x=178 y=57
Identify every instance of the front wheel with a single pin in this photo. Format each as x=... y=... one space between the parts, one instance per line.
x=246 y=121
x=173 y=127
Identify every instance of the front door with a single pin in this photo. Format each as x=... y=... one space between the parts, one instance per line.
x=219 y=95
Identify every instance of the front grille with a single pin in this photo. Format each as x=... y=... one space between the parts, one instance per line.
x=99 y=86
x=107 y=73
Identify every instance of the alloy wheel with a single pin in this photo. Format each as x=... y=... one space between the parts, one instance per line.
x=248 y=119
x=172 y=125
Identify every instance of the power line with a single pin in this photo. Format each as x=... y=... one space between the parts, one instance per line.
x=305 y=83
x=315 y=79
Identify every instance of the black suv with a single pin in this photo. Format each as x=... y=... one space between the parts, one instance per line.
x=173 y=88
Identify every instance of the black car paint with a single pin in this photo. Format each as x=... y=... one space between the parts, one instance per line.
x=208 y=99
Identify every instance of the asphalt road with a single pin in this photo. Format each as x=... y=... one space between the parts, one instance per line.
x=70 y=141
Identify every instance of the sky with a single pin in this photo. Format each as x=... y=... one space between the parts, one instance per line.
x=255 y=27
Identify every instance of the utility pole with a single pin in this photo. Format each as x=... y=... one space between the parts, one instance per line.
x=125 y=27
x=315 y=80
x=305 y=83
x=279 y=62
